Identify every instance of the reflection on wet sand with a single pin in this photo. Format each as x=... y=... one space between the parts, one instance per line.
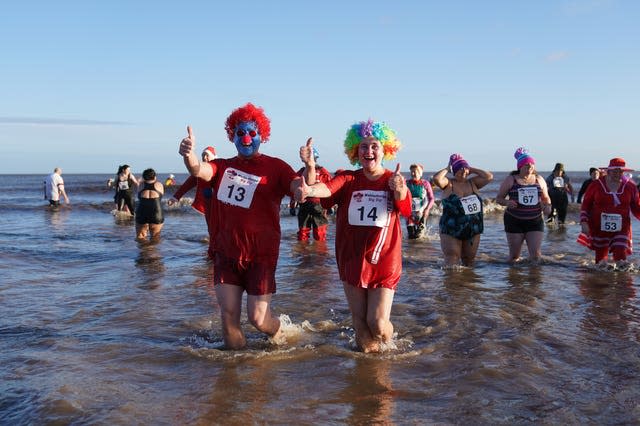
x=151 y=264
x=609 y=309
x=369 y=391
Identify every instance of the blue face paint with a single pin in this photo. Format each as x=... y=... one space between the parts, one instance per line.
x=246 y=138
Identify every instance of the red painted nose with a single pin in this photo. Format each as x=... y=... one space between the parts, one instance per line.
x=246 y=140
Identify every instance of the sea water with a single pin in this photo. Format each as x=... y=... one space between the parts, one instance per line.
x=97 y=328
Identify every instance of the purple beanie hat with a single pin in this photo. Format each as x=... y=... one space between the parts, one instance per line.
x=457 y=162
x=523 y=157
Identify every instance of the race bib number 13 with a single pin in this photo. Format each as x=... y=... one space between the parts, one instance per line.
x=369 y=208
x=237 y=187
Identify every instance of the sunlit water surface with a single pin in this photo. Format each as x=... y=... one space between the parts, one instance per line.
x=96 y=328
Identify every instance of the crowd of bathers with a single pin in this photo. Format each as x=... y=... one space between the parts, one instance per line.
x=241 y=197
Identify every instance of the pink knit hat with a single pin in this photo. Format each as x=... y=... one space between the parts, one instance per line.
x=457 y=162
x=523 y=157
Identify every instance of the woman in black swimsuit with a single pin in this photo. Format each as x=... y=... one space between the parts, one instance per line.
x=149 y=217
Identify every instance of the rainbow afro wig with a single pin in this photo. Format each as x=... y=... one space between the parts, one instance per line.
x=371 y=129
x=249 y=112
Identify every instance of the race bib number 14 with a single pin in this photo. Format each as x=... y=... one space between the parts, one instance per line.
x=369 y=208
x=237 y=187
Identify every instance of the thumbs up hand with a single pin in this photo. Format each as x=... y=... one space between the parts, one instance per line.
x=188 y=144
x=397 y=182
x=306 y=153
x=302 y=191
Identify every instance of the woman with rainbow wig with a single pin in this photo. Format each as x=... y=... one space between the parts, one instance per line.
x=368 y=231
x=524 y=194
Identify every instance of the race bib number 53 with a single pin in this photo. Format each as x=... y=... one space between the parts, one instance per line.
x=237 y=187
x=610 y=222
x=369 y=208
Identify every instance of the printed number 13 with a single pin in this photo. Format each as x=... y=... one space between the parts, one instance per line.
x=239 y=192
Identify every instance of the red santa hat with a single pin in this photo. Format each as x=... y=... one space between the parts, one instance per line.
x=211 y=150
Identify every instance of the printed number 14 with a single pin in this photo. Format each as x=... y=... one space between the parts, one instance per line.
x=371 y=215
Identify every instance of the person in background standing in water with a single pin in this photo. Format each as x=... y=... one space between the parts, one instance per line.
x=149 y=217
x=422 y=200
x=462 y=219
x=524 y=193
x=124 y=182
x=170 y=180
x=559 y=187
x=311 y=216
x=605 y=213
x=247 y=193
x=202 y=200
x=54 y=188
x=594 y=174
x=368 y=230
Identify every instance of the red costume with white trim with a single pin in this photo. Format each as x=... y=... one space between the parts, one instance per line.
x=245 y=206
x=604 y=209
x=368 y=239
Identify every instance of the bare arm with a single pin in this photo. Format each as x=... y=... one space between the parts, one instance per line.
x=398 y=185
x=191 y=160
x=159 y=187
x=317 y=190
x=440 y=179
x=501 y=197
x=545 y=199
x=306 y=155
x=482 y=177
x=64 y=193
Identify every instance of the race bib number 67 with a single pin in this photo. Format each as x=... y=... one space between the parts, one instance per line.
x=237 y=187
x=368 y=208
x=528 y=195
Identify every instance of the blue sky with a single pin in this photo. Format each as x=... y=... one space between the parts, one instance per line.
x=88 y=85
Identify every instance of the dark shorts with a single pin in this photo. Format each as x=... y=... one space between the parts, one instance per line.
x=257 y=279
x=513 y=225
x=311 y=215
x=54 y=203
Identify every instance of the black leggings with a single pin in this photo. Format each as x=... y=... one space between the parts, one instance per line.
x=125 y=198
x=559 y=204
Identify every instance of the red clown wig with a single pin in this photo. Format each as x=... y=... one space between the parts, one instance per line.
x=249 y=112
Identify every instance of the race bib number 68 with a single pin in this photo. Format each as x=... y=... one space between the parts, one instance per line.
x=471 y=204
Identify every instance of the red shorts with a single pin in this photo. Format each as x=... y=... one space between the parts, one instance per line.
x=257 y=279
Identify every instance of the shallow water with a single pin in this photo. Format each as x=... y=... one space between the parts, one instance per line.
x=99 y=329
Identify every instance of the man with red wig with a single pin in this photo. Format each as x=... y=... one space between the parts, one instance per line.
x=245 y=211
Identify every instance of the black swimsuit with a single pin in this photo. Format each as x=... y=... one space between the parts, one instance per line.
x=149 y=209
